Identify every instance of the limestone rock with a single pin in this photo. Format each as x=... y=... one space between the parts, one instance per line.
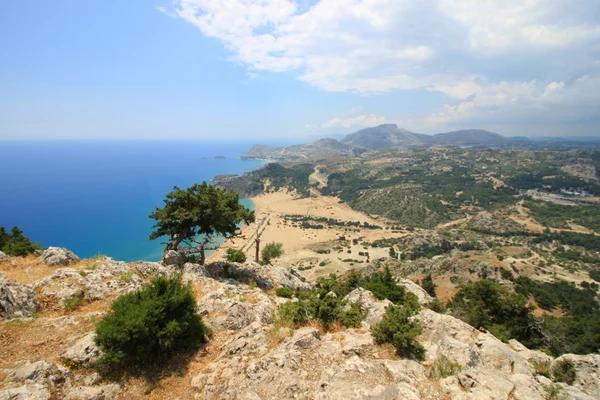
x=3 y=257
x=411 y=287
x=587 y=372
x=106 y=278
x=265 y=276
x=26 y=392
x=172 y=257
x=235 y=306
x=58 y=256
x=106 y=392
x=358 y=379
x=373 y=308
x=38 y=371
x=16 y=299
x=83 y=353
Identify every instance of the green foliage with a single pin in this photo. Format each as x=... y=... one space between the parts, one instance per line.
x=564 y=371
x=15 y=244
x=553 y=391
x=556 y=215
x=485 y=304
x=293 y=177
x=428 y=285
x=578 y=331
x=595 y=274
x=198 y=210
x=284 y=292
x=383 y=286
x=397 y=329
x=148 y=325
x=237 y=256
x=542 y=368
x=74 y=302
x=271 y=251
x=443 y=367
x=438 y=306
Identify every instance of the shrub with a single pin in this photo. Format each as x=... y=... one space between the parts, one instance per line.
x=428 y=285
x=74 y=302
x=437 y=305
x=564 y=371
x=383 y=286
x=284 y=292
x=237 y=256
x=542 y=368
x=444 y=367
x=296 y=313
x=271 y=251
x=398 y=329
x=148 y=325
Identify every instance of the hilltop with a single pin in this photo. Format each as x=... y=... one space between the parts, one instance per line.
x=391 y=137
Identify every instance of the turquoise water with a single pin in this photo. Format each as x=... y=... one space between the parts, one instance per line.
x=95 y=196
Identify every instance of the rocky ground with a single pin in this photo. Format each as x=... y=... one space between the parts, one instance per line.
x=47 y=349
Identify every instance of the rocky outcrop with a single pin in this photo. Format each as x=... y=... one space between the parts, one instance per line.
x=265 y=276
x=3 y=257
x=83 y=352
x=172 y=257
x=44 y=380
x=97 y=281
x=58 y=256
x=16 y=300
x=411 y=287
x=234 y=307
x=373 y=309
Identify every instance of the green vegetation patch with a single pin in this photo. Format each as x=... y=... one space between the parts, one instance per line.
x=147 y=326
x=15 y=244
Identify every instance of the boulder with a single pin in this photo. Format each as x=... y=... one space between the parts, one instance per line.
x=58 y=256
x=411 y=287
x=16 y=299
x=83 y=353
x=172 y=257
x=3 y=257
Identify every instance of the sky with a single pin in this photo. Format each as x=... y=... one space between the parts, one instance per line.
x=232 y=69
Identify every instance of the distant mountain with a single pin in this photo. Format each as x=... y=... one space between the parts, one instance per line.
x=470 y=137
x=327 y=146
x=383 y=137
x=390 y=136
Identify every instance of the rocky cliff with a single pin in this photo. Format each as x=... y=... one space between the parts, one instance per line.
x=47 y=349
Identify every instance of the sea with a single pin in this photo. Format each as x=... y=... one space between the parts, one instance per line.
x=94 y=197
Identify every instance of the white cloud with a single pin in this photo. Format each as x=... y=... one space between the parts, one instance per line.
x=350 y=122
x=458 y=48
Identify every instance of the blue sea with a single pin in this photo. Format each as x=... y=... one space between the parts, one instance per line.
x=94 y=197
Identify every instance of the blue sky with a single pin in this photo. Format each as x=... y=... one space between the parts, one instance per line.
x=150 y=69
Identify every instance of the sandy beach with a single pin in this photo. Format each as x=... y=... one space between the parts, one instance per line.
x=316 y=252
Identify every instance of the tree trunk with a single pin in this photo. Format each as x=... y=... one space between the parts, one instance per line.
x=202 y=256
x=175 y=244
x=257 y=249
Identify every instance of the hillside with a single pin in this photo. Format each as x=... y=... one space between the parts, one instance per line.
x=250 y=355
